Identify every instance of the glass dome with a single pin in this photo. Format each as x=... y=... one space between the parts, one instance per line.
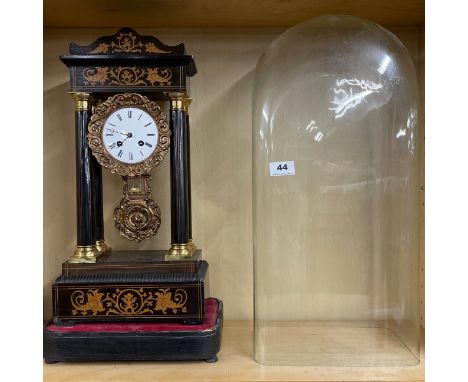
x=335 y=182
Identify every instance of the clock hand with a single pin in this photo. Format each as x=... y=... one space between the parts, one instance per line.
x=129 y=135
x=118 y=132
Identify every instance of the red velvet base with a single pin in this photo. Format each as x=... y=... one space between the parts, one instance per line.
x=145 y=341
x=211 y=310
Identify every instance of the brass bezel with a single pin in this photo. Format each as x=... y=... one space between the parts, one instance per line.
x=96 y=124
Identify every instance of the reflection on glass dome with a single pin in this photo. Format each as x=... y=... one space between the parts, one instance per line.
x=336 y=240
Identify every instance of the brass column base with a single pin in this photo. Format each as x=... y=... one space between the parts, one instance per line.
x=84 y=254
x=102 y=247
x=180 y=251
x=192 y=245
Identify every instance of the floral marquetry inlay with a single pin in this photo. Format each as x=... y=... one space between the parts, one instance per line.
x=127 y=61
x=129 y=302
x=127 y=76
x=127 y=42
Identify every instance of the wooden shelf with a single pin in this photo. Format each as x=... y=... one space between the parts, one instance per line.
x=235 y=364
x=223 y=13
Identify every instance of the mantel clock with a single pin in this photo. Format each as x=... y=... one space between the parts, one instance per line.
x=118 y=84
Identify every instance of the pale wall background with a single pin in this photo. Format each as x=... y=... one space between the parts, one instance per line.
x=221 y=156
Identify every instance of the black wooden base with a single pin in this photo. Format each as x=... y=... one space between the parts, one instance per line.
x=131 y=342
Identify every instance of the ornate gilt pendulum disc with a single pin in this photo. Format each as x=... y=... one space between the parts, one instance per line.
x=137 y=217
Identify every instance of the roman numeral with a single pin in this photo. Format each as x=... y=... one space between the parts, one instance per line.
x=112 y=145
x=129 y=114
x=120 y=154
x=148 y=124
x=119 y=117
x=150 y=135
x=148 y=144
x=130 y=156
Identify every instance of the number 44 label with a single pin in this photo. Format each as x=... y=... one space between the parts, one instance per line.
x=282 y=168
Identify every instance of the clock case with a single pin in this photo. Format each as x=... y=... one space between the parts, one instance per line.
x=137 y=285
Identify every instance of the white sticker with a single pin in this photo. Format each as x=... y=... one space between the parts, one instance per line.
x=282 y=168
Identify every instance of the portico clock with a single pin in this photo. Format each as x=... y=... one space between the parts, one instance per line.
x=118 y=83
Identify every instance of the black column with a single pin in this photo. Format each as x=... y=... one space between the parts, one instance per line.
x=98 y=214
x=179 y=174
x=189 y=181
x=85 y=235
x=85 y=222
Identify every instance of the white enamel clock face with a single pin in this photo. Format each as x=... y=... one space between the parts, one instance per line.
x=130 y=135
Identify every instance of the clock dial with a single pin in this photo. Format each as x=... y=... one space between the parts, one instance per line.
x=130 y=135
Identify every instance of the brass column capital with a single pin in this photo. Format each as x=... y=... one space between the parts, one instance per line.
x=186 y=103
x=179 y=101
x=83 y=101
